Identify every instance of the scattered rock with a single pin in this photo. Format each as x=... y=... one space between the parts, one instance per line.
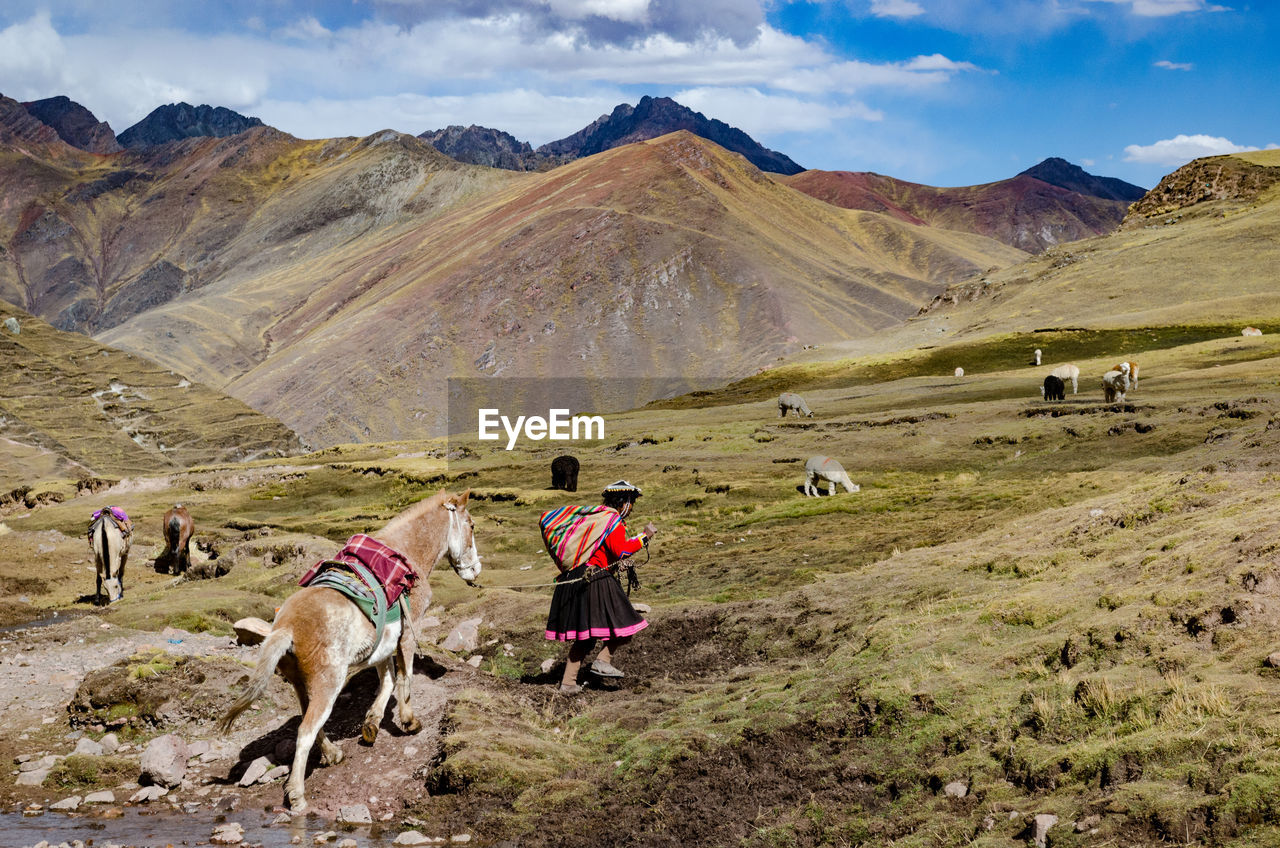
x=255 y=771
x=274 y=774
x=955 y=789
x=32 y=778
x=1041 y=826
x=164 y=763
x=1088 y=823
x=110 y=743
x=147 y=794
x=411 y=837
x=327 y=836
x=548 y=664
x=66 y=803
x=104 y=797
x=1273 y=661
x=87 y=747
x=475 y=661
x=251 y=631
x=11 y=324
x=355 y=814
x=460 y=838
x=348 y=843
x=198 y=748
x=464 y=638
x=231 y=833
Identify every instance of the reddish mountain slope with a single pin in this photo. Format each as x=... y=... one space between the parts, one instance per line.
x=335 y=284
x=1024 y=212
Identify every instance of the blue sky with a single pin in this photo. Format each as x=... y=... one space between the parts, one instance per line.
x=944 y=92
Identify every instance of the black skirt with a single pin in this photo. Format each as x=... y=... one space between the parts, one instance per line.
x=597 y=609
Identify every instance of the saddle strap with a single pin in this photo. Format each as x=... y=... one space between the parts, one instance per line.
x=332 y=578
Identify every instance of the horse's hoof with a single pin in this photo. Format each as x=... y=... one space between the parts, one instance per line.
x=369 y=732
x=297 y=802
x=412 y=725
x=332 y=758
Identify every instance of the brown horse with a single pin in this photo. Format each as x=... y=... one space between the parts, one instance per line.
x=110 y=534
x=320 y=638
x=177 y=528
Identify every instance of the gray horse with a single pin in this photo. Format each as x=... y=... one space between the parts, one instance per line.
x=824 y=468
x=793 y=401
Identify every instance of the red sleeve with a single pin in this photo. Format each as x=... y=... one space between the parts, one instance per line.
x=616 y=546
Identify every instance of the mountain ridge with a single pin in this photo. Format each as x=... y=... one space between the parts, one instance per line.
x=175 y=121
x=1024 y=211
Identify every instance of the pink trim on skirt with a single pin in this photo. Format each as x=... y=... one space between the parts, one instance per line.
x=598 y=633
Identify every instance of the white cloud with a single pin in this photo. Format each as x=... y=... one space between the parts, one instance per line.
x=316 y=81
x=895 y=9
x=304 y=28
x=631 y=11
x=1164 y=8
x=1181 y=149
x=528 y=115
x=1174 y=66
x=762 y=115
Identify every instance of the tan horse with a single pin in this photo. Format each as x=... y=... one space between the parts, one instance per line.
x=177 y=528
x=110 y=543
x=320 y=638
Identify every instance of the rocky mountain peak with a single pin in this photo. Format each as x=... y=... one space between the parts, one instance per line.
x=74 y=124
x=182 y=120
x=1061 y=173
x=657 y=116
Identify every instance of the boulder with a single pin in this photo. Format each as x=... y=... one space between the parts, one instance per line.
x=1040 y=828
x=87 y=747
x=231 y=833
x=251 y=631
x=148 y=794
x=274 y=774
x=355 y=814
x=110 y=743
x=464 y=638
x=955 y=789
x=255 y=771
x=164 y=762
x=66 y=803
x=32 y=778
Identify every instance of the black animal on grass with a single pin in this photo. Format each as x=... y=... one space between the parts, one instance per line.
x=564 y=473
x=1053 y=389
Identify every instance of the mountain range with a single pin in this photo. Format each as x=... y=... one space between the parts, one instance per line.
x=336 y=283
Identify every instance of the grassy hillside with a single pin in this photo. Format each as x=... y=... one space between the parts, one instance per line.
x=1064 y=607
x=72 y=410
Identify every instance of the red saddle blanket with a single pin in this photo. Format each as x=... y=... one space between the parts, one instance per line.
x=390 y=567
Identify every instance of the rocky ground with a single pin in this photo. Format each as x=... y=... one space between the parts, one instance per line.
x=82 y=702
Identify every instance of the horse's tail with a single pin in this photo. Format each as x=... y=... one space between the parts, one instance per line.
x=104 y=539
x=173 y=532
x=277 y=644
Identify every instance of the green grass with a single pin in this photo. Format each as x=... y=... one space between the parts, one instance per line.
x=1054 y=610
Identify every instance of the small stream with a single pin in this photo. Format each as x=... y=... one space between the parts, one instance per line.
x=159 y=827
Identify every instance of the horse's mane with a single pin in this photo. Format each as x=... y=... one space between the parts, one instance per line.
x=415 y=512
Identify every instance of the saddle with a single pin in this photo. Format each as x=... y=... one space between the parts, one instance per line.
x=117 y=516
x=374 y=576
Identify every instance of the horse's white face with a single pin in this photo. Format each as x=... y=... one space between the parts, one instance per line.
x=462 y=552
x=113 y=589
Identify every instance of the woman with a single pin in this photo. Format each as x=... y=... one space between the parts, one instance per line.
x=589 y=603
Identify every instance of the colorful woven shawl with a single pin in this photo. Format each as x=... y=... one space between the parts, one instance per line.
x=573 y=533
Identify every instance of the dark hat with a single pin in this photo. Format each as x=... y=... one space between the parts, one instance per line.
x=622 y=488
